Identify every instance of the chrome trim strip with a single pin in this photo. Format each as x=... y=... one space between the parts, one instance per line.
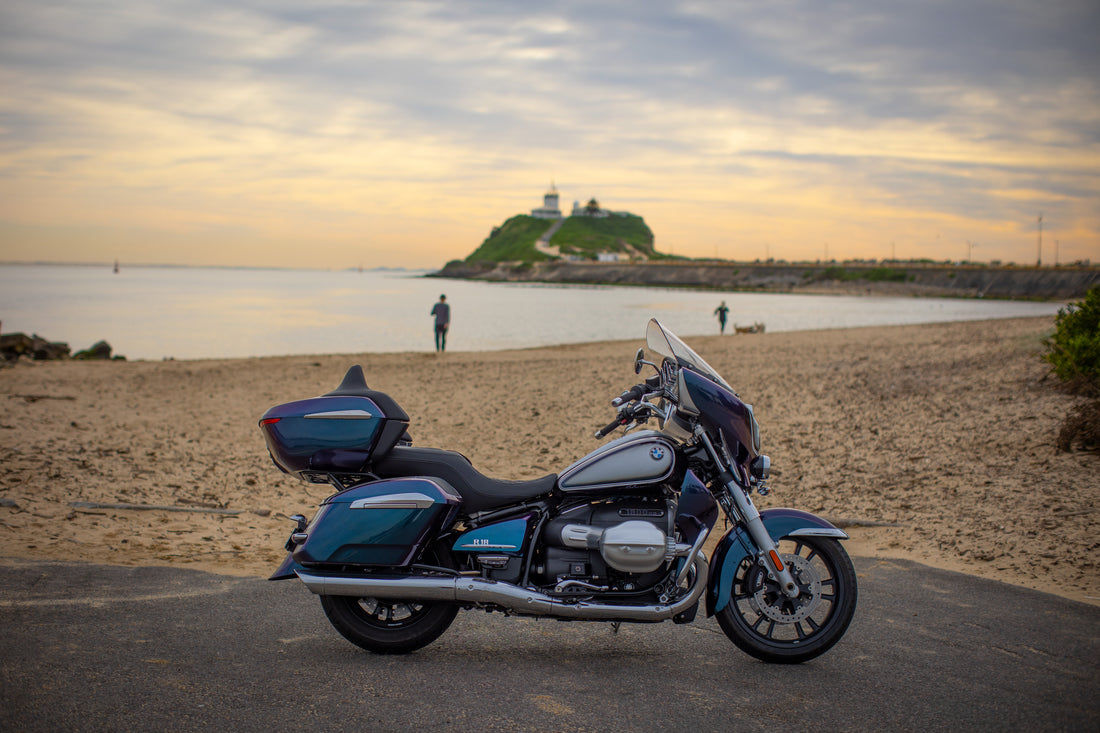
x=341 y=415
x=394 y=501
x=819 y=532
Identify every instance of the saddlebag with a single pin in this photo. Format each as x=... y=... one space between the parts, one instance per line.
x=379 y=523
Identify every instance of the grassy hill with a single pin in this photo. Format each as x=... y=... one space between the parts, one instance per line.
x=513 y=240
x=585 y=236
x=580 y=236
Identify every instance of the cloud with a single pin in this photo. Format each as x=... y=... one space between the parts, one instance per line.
x=426 y=116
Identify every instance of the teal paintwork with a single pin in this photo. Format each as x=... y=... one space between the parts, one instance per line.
x=736 y=545
x=377 y=535
x=503 y=537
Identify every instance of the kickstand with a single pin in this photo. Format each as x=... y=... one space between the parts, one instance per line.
x=615 y=626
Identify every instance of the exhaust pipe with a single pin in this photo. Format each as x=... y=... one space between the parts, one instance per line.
x=512 y=597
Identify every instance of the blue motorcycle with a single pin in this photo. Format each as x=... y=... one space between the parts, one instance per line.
x=413 y=535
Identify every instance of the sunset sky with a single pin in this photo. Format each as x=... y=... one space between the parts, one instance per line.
x=344 y=134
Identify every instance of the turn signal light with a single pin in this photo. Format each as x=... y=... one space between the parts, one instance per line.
x=776 y=561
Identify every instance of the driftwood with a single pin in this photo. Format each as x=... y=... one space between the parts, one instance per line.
x=37 y=397
x=152 y=507
x=842 y=523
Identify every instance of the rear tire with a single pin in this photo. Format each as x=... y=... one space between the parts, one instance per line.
x=386 y=626
x=764 y=623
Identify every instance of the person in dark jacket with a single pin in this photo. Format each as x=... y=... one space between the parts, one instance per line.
x=442 y=313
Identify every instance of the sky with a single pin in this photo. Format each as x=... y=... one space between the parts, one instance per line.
x=398 y=134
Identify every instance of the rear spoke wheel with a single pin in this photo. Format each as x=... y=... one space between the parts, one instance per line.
x=387 y=626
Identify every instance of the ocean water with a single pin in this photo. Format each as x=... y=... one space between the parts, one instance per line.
x=197 y=313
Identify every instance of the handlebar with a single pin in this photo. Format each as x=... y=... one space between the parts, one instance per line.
x=638 y=391
x=610 y=426
x=634 y=393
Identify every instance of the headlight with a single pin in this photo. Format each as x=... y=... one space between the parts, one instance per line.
x=761 y=467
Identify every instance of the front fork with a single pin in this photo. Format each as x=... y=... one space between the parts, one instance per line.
x=747 y=513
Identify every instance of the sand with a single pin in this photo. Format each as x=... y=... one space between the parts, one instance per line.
x=945 y=432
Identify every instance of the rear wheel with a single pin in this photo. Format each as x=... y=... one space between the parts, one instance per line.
x=762 y=621
x=386 y=626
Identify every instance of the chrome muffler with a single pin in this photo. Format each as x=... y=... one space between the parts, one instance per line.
x=512 y=597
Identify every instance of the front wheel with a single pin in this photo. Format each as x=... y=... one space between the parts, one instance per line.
x=385 y=626
x=763 y=622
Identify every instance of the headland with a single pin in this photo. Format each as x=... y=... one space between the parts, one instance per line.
x=928 y=279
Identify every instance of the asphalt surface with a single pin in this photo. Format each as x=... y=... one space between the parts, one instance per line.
x=88 y=647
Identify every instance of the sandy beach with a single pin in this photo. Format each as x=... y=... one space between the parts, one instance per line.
x=935 y=443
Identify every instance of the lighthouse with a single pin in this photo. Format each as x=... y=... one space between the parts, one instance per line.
x=549 y=208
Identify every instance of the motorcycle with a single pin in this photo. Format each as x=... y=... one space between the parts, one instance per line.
x=413 y=534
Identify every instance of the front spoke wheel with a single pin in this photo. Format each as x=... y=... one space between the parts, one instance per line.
x=766 y=623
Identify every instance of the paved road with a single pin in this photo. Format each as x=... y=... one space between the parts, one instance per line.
x=87 y=647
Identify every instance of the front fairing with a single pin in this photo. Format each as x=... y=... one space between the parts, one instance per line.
x=720 y=409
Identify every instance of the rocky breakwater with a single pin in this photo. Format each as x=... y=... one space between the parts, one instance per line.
x=16 y=346
x=928 y=279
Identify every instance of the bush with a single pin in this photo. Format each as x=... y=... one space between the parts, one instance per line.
x=1074 y=349
x=1081 y=426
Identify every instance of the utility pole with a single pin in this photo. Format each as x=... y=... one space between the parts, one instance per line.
x=1039 y=261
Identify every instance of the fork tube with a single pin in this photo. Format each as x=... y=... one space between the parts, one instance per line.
x=749 y=515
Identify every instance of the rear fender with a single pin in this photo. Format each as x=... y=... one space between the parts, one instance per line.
x=736 y=545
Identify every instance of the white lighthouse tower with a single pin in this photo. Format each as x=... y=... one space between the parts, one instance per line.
x=549 y=208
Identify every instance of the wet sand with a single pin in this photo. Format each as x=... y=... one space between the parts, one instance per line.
x=934 y=443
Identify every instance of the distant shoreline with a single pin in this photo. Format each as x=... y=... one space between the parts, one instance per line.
x=890 y=279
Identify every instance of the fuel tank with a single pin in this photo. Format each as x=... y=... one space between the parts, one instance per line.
x=642 y=459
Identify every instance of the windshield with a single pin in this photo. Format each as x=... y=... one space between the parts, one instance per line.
x=664 y=342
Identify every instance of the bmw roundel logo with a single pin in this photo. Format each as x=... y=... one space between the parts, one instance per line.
x=656 y=453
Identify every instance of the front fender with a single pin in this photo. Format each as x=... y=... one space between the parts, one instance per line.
x=736 y=545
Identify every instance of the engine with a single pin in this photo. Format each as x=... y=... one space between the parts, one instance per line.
x=618 y=544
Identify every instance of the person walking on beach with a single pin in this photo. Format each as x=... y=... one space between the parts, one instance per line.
x=442 y=313
x=722 y=311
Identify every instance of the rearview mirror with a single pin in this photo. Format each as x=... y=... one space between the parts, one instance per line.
x=639 y=362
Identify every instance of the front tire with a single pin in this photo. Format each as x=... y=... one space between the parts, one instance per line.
x=763 y=622
x=386 y=626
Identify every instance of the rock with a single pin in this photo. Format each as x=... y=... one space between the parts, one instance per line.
x=99 y=350
x=15 y=345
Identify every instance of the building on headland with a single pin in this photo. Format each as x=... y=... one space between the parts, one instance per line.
x=549 y=208
x=592 y=208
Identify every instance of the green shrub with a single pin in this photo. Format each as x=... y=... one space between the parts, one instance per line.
x=1074 y=349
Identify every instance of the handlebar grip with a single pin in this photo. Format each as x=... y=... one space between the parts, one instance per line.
x=611 y=426
x=634 y=393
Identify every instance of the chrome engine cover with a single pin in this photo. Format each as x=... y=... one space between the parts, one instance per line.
x=630 y=547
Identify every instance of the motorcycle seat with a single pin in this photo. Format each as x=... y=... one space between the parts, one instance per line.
x=479 y=492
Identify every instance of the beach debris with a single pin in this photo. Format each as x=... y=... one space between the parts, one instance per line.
x=37 y=397
x=10 y=503
x=841 y=523
x=152 y=507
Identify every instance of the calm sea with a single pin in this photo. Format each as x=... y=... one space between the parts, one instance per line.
x=196 y=313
